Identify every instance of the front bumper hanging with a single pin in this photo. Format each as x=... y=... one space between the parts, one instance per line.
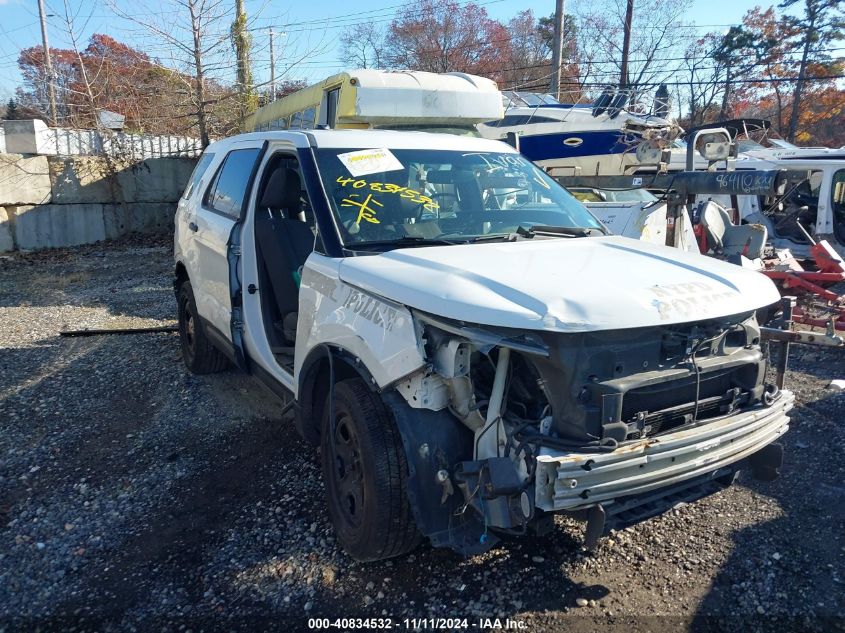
x=577 y=481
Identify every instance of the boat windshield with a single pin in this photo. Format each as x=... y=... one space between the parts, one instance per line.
x=747 y=145
x=393 y=197
x=531 y=99
x=779 y=143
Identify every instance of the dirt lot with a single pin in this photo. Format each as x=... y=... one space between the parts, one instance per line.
x=134 y=495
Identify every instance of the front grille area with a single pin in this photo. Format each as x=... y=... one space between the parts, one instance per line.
x=669 y=419
x=651 y=410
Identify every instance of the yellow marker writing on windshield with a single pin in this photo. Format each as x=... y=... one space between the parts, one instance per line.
x=365 y=212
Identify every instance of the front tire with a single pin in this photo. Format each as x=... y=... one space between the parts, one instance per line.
x=200 y=356
x=365 y=473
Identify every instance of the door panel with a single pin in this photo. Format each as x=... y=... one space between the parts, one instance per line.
x=218 y=213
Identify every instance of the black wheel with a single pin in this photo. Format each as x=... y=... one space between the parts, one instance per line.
x=200 y=356
x=365 y=472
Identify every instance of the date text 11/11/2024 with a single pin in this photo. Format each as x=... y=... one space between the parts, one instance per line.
x=418 y=624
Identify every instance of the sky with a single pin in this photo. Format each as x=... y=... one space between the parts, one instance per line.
x=307 y=32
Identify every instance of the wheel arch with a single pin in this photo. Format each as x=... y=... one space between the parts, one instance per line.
x=180 y=275
x=316 y=371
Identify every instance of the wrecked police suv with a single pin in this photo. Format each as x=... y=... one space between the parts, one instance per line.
x=470 y=348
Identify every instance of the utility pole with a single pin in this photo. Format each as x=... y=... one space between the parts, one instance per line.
x=626 y=44
x=48 y=64
x=272 y=69
x=557 y=51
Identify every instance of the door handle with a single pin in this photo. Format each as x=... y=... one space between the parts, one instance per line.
x=193 y=226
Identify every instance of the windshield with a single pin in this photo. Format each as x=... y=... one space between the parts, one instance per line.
x=380 y=195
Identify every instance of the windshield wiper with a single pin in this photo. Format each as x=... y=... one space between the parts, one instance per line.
x=568 y=231
x=493 y=237
x=407 y=240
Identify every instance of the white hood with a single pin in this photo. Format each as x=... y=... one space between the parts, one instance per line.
x=564 y=285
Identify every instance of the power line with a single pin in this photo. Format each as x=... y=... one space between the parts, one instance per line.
x=647 y=84
x=339 y=24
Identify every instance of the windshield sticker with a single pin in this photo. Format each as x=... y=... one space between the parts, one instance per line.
x=365 y=211
x=388 y=187
x=370 y=161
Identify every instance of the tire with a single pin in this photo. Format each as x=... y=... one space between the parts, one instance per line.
x=200 y=356
x=365 y=473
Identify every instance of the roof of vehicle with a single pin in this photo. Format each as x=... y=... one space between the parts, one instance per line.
x=368 y=139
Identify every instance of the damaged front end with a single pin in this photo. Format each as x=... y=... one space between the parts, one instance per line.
x=505 y=428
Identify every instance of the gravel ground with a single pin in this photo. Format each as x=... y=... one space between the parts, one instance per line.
x=134 y=495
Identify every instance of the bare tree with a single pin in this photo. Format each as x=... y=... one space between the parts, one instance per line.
x=658 y=39
x=193 y=35
x=701 y=79
x=362 y=46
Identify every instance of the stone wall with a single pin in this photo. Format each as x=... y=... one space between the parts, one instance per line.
x=49 y=202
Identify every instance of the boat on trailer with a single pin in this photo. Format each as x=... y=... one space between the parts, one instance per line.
x=600 y=138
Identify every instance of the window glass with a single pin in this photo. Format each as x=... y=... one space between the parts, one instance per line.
x=296 y=121
x=199 y=171
x=308 y=118
x=228 y=191
x=331 y=106
x=452 y=195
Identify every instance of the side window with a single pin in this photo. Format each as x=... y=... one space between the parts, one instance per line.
x=296 y=121
x=331 y=106
x=198 y=173
x=308 y=118
x=226 y=194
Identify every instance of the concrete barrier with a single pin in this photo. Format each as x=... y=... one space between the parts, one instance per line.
x=36 y=227
x=57 y=202
x=85 y=180
x=24 y=180
x=7 y=241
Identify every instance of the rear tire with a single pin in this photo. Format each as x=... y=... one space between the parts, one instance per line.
x=365 y=473
x=200 y=356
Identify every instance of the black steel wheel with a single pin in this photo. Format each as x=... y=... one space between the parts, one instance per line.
x=200 y=356
x=365 y=473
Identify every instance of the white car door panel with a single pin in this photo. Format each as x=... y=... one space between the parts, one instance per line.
x=217 y=214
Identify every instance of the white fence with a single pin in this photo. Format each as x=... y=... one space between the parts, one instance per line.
x=34 y=137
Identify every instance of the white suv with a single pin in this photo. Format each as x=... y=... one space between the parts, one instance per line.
x=470 y=348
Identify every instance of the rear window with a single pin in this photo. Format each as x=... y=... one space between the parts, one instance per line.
x=196 y=176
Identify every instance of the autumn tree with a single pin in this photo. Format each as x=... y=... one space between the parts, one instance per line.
x=823 y=22
x=769 y=84
x=443 y=35
x=769 y=90
x=529 y=63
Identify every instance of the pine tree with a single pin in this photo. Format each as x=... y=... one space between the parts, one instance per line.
x=12 y=110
